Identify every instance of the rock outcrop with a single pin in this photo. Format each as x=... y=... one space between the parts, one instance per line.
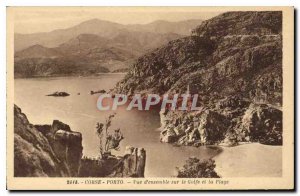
x=231 y=61
x=197 y=128
x=56 y=151
x=45 y=150
x=132 y=164
x=263 y=124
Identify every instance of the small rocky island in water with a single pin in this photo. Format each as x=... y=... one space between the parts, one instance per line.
x=59 y=94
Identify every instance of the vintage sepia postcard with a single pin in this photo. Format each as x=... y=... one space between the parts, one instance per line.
x=150 y=98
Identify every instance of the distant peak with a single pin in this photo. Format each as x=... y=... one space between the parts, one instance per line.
x=97 y=21
x=86 y=35
x=159 y=21
x=37 y=46
x=93 y=20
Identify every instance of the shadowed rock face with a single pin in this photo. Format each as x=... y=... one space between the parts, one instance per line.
x=66 y=144
x=132 y=164
x=45 y=150
x=230 y=61
x=263 y=124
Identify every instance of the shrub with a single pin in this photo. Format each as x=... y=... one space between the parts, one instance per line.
x=195 y=168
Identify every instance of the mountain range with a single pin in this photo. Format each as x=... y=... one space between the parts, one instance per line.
x=92 y=46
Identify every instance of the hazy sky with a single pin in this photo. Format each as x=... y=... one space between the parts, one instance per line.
x=42 y=19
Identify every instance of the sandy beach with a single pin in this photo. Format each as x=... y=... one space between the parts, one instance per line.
x=250 y=160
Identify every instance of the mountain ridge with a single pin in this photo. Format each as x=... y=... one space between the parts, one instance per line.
x=93 y=26
x=91 y=47
x=87 y=51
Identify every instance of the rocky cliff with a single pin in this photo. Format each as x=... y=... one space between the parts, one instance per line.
x=45 y=150
x=56 y=151
x=234 y=63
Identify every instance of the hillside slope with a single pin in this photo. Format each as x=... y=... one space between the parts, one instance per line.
x=88 y=54
x=234 y=63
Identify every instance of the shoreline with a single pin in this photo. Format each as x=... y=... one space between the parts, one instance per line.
x=70 y=76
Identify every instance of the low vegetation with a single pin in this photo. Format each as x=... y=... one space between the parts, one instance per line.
x=196 y=168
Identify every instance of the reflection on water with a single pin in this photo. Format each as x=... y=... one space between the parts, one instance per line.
x=80 y=112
